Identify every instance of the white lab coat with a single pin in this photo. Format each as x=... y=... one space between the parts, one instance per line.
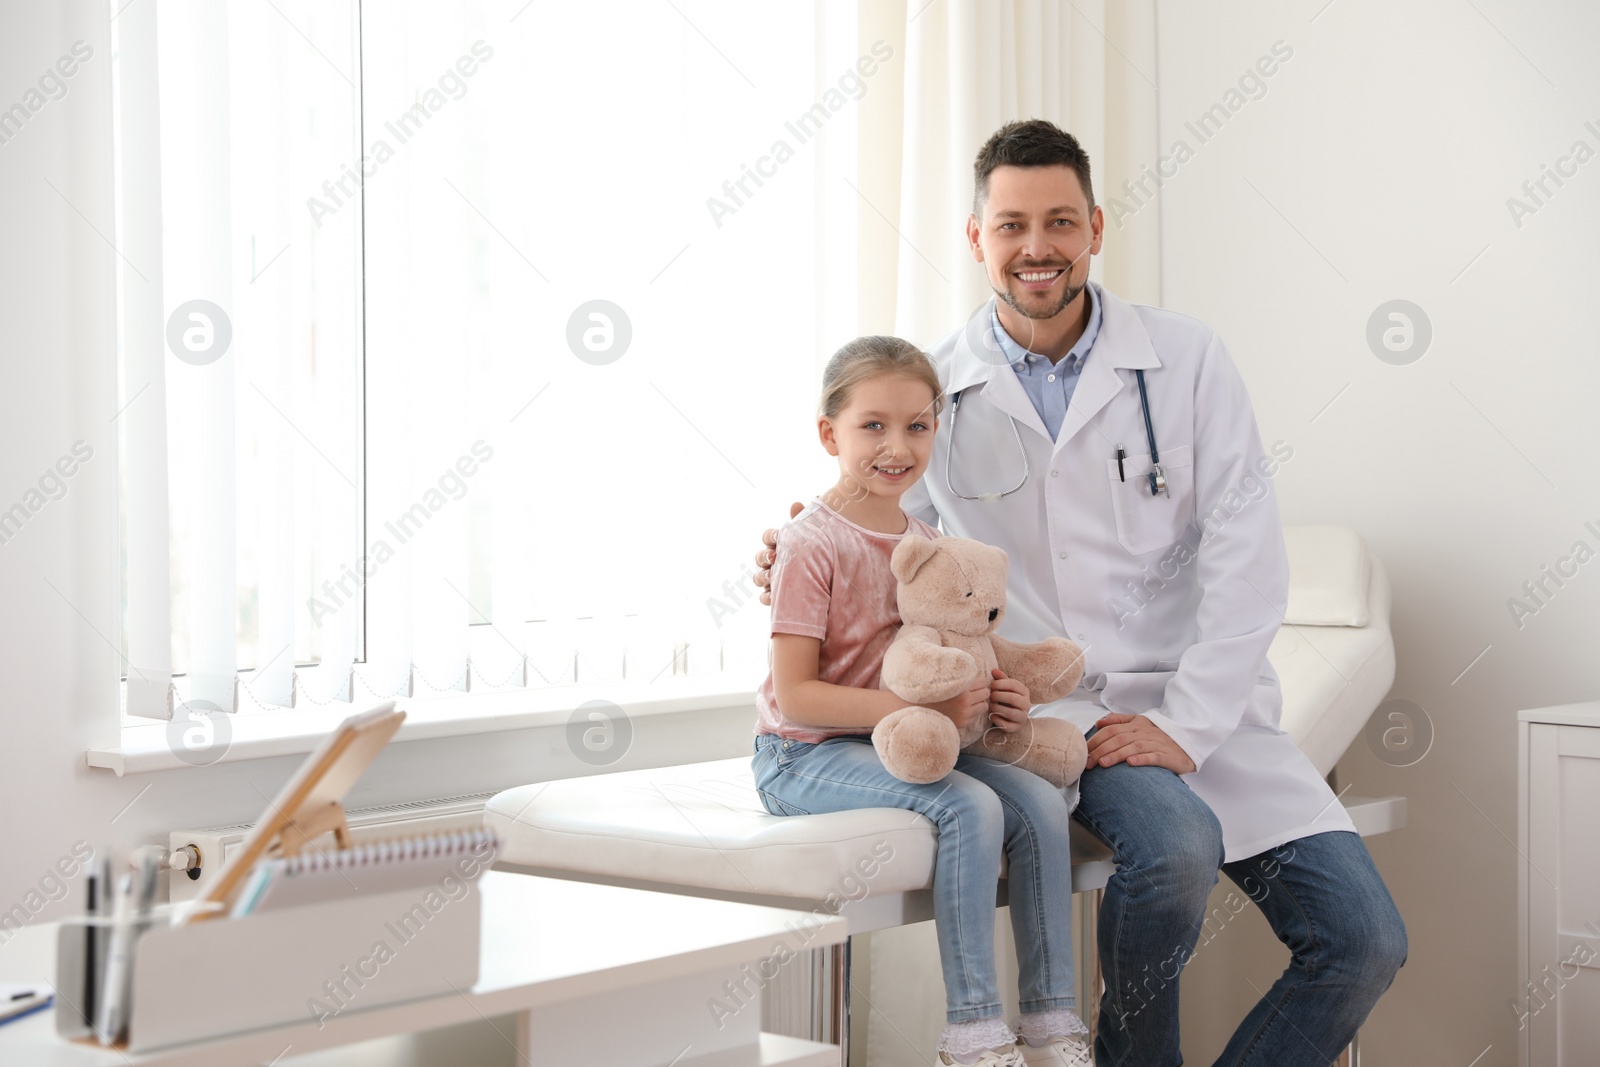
x=1190 y=648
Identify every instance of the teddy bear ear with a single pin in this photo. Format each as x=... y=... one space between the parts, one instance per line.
x=909 y=556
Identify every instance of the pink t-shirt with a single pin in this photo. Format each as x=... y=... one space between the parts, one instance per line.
x=831 y=581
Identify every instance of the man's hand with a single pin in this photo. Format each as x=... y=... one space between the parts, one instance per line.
x=1008 y=702
x=769 y=539
x=1137 y=740
x=964 y=709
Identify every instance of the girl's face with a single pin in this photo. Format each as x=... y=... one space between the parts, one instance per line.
x=883 y=435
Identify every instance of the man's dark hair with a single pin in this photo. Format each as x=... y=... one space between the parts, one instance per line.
x=1032 y=143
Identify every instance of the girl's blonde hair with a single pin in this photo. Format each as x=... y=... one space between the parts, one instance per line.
x=868 y=357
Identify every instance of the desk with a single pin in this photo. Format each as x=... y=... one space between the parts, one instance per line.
x=601 y=975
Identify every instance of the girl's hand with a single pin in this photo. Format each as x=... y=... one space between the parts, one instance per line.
x=964 y=709
x=1008 y=702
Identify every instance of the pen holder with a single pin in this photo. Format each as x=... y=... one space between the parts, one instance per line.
x=307 y=964
x=78 y=989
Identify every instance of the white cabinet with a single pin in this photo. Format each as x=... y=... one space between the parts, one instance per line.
x=1558 y=886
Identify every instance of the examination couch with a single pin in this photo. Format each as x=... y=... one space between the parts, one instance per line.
x=700 y=829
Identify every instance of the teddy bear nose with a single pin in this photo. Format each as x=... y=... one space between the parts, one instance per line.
x=992 y=613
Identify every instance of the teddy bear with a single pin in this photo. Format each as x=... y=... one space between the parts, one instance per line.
x=952 y=596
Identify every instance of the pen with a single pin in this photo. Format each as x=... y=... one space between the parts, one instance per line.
x=98 y=891
x=135 y=896
x=16 y=1002
x=109 y=1010
x=1121 y=455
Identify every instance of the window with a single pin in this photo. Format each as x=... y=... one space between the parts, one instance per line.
x=490 y=337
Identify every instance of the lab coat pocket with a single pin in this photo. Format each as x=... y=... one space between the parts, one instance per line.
x=1148 y=523
x=1135 y=692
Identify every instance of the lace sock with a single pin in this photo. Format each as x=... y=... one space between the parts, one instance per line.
x=967 y=1041
x=1039 y=1028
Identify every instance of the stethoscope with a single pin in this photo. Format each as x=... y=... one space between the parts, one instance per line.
x=1156 y=478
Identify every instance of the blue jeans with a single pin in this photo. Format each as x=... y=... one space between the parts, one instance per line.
x=1321 y=894
x=979 y=809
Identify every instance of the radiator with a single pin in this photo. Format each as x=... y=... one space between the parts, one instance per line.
x=797 y=1002
x=217 y=845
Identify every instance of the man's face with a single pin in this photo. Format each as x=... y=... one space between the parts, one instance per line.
x=1035 y=238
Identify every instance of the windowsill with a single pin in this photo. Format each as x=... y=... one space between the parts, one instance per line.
x=145 y=747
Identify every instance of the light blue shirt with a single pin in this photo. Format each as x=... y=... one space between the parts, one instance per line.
x=1050 y=386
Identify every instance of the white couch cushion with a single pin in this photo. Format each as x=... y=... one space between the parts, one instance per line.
x=1329 y=571
x=1333 y=677
x=703 y=825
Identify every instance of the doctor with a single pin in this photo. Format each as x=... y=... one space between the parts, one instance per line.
x=1140 y=522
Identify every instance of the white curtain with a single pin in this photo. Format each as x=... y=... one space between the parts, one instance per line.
x=240 y=334
x=970 y=66
x=196 y=196
x=142 y=412
x=401 y=478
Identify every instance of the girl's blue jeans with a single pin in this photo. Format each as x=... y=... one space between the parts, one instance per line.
x=981 y=809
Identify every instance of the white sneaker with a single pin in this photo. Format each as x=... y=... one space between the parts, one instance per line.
x=1064 y=1052
x=1010 y=1056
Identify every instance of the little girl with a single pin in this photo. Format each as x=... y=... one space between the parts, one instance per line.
x=833 y=617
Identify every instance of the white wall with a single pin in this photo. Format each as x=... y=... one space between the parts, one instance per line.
x=1377 y=166
x=58 y=576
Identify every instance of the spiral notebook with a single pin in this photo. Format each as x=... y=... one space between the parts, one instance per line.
x=446 y=861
